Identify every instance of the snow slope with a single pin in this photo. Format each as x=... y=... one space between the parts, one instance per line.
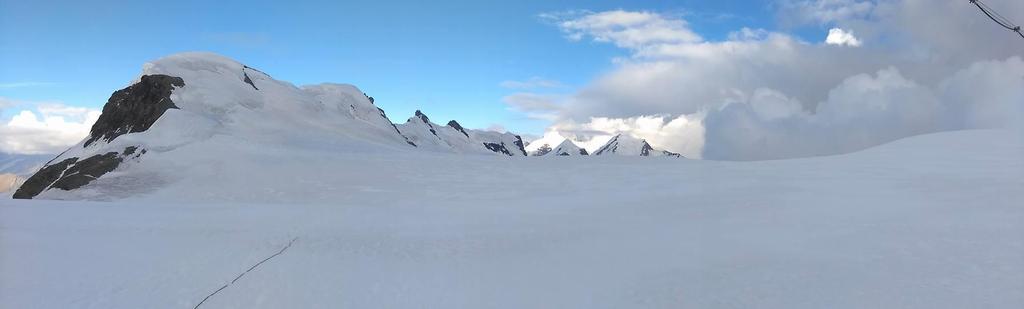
x=933 y=221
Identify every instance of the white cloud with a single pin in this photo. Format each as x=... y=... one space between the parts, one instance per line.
x=536 y=106
x=837 y=36
x=494 y=127
x=795 y=12
x=50 y=128
x=626 y=29
x=683 y=134
x=532 y=83
x=764 y=95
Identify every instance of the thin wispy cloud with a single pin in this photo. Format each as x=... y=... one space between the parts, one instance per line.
x=24 y=84
x=532 y=83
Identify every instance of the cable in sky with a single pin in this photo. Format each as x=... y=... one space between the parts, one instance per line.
x=999 y=19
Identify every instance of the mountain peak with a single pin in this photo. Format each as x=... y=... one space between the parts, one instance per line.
x=422 y=116
x=568 y=148
x=455 y=125
x=627 y=145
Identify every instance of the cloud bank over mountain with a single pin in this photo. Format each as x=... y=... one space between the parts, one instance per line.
x=46 y=127
x=881 y=74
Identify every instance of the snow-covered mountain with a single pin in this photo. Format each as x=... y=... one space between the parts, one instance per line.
x=195 y=112
x=552 y=139
x=192 y=113
x=626 y=145
x=454 y=138
x=567 y=148
x=544 y=144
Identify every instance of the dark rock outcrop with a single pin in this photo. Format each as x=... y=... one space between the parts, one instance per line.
x=72 y=173
x=136 y=108
x=455 y=125
x=519 y=145
x=248 y=80
x=423 y=117
x=499 y=148
x=543 y=150
x=42 y=179
x=82 y=172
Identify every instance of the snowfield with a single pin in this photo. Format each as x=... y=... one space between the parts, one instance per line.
x=934 y=221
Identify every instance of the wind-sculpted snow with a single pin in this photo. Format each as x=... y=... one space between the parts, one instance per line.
x=928 y=222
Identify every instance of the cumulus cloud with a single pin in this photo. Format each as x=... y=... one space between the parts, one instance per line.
x=837 y=36
x=50 y=128
x=765 y=95
x=868 y=109
x=683 y=134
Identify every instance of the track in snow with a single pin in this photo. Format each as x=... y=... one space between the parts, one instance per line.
x=246 y=272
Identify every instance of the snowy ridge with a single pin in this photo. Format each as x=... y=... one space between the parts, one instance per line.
x=625 y=145
x=201 y=110
x=567 y=148
x=454 y=138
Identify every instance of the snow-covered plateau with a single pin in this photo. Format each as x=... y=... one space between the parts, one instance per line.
x=208 y=184
x=933 y=221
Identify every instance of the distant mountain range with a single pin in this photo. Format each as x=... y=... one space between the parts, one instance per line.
x=191 y=109
x=15 y=168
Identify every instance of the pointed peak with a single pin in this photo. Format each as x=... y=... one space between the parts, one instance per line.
x=422 y=116
x=455 y=125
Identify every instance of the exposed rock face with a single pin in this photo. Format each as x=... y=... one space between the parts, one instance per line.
x=249 y=81
x=519 y=145
x=543 y=150
x=581 y=152
x=423 y=117
x=72 y=173
x=455 y=125
x=499 y=148
x=43 y=179
x=136 y=108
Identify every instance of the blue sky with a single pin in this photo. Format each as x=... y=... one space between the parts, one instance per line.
x=448 y=58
